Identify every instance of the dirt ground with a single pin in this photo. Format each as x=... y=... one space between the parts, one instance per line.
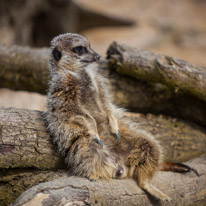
x=172 y=27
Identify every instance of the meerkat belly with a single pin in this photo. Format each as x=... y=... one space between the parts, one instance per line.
x=91 y=100
x=92 y=103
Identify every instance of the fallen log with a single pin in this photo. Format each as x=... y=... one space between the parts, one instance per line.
x=25 y=143
x=146 y=97
x=151 y=67
x=14 y=181
x=27 y=156
x=184 y=189
x=24 y=68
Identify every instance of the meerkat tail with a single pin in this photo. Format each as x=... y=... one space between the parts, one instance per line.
x=177 y=167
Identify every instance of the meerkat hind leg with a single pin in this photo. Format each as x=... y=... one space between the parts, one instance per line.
x=146 y=185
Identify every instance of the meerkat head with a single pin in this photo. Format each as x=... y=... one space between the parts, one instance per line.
x=71 y=51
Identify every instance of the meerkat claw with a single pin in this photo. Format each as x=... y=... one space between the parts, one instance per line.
x=98 y=141
x=118 y=136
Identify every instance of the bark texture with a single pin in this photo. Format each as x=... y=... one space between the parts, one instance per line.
x=23 y=68
x=25 y=143
x=175 y=73
x=27 y=156
x=184 y=189
x=150 y=97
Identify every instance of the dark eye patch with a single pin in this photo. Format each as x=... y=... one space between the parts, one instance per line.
x=80 y=50
x=56 y=54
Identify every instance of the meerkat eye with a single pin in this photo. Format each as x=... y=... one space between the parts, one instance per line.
x=56 y=54
x=80 y=50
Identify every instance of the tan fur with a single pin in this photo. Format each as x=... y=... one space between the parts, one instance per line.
x=80 y=117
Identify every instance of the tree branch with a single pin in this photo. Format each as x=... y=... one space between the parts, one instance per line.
x=175 y=73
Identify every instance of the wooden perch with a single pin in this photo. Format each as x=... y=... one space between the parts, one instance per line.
x=184 y=189
x=175 y=73
x=23 y=68
x=24 y=142
x=26 y=150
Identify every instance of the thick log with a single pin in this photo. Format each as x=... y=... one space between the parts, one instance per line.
x=146 y=97
x=24 y=68
x=151 y=67
x=27 y=156
x=184 y=189
x=25 y=143
x=15 y=181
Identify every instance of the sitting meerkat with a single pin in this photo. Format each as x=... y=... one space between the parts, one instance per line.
x=89 y=131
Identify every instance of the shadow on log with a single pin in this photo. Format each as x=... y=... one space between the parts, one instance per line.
x=23 y=68
x=27 y=156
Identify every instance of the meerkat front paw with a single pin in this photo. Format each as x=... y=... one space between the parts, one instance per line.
x=117 y=134
x=114 y=128
x=98 y=141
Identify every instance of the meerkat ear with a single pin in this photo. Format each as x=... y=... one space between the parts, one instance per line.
x=56 y=54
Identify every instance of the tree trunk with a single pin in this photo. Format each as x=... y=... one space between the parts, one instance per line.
x=175 y=73
x=27 y=69
x=184 y=189
x=26 y=150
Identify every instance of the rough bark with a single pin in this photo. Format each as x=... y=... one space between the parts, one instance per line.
x=184 y=189
x=24 y=142
x=175 y=73
x=23 y=68
x=27 y=69
x=27 y=156
x=14 y=181
x=149 y=97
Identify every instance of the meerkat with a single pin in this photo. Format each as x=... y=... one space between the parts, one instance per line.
x=88 y=129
